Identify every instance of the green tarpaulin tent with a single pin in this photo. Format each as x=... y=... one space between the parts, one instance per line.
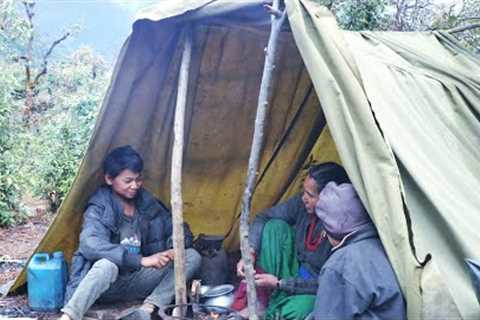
x=402 y=112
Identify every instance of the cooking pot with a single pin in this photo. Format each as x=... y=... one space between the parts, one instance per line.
x=221 y=296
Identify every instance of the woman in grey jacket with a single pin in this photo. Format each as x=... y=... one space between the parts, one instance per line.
x=357 y=281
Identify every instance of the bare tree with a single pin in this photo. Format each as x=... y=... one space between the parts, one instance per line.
x=32 y=74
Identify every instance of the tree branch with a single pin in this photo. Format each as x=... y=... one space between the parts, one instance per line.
x=28 y=57
x=29 y=11
x=468 y=19
x=43 y=70
x=29 y=54
x=464 y=28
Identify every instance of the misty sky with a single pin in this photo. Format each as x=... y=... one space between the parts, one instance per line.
x=104 y=24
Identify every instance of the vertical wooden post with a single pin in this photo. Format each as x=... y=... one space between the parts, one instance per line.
x=277 y=18
x=176 y=178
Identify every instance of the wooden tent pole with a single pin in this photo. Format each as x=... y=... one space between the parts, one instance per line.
x=277 y=18
x=176 y=178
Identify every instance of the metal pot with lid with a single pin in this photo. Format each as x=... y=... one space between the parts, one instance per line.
x=221 y=296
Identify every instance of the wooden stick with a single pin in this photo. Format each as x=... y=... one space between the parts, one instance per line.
x=176 y=179
x=263 y=97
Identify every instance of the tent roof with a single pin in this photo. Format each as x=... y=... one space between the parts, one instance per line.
x=402 y=109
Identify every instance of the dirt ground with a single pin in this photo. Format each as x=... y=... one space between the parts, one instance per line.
x=16 y=245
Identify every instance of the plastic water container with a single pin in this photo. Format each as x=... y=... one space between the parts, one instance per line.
x=47 y=277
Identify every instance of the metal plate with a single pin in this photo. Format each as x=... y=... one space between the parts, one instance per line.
x=218 y=291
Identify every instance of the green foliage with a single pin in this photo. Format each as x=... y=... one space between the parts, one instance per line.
x=409 y=15
x=359 y=15
x=9 y=179
x=40 y=157
x=15 y=29
x=66 y=122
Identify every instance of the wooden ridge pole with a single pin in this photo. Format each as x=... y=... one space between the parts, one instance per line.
x=277 y=18
x=176 y=178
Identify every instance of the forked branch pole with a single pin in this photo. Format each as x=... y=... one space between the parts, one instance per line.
x=277 y=17
x=176 y=178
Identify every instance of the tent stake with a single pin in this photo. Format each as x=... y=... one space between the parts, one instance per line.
x=277 y=18
x=176 y=178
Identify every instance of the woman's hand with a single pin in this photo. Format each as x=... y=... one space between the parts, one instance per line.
x=240 y=270
x=266 y=280
x=241 y=265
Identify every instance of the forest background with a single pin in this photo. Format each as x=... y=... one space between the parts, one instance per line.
x=49 y=97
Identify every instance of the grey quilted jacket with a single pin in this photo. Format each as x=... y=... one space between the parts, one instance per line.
x=358 y=281
x=100 y=236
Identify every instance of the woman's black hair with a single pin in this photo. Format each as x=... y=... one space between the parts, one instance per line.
x=325 y=172
x=122 y=158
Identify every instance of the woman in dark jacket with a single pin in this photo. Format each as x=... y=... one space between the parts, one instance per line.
x=291 y=247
